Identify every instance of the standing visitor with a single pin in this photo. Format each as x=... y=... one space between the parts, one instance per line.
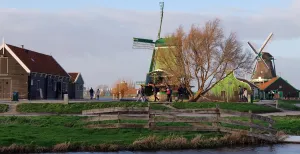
x=91 y=93
x=245 y=95
x=169 y=94
x=180 y=93
x=141 y=94
x=98 y=94
x=155 y=91
x=241 y=94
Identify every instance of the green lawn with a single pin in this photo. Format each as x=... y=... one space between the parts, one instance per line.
x=288 y=105
x=242 y=107
x=73 y=108
x=76 y=108
x=50 y=130
x=3 y=108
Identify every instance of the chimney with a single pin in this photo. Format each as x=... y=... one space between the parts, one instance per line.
x=22 y=46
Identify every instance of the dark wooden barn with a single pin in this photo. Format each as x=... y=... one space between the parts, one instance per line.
x=76 y=86
x=280 y=86
x=34 y=75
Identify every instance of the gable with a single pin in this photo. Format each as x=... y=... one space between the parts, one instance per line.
x=280 y=83
x=80 y=79
x=230 y=84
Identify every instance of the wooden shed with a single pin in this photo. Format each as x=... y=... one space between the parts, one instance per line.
x=34 y=75
x=76 y=86
x=279 y=86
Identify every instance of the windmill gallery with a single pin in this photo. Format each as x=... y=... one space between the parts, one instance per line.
x=264 y=82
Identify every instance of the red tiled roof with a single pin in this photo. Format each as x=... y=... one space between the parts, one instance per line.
x=38 y=62
x=73 y=76
x=267 y=84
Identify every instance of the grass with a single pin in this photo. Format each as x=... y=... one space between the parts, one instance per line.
x=51 y=130
x=242 y=107
x=3 y=108
x=288 y=124
x=288 y=106
x=74 y=108
x=290 y=101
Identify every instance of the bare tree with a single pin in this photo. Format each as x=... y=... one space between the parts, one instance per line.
x=204 y=55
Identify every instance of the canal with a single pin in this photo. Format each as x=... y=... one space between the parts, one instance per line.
x=274 y=149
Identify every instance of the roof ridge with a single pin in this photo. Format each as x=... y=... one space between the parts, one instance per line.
x=29 y=50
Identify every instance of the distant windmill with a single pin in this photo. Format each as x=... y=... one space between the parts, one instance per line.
x=141 y=43
x=264 y=63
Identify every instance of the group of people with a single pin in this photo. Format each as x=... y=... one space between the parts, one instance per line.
x=92 y=93
x=141 y=93
x=243 y=94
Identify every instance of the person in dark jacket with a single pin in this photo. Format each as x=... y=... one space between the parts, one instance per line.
x=91 y=93
x=180 y=93
x=141 y=94
x=155 y=91
x=169 y=93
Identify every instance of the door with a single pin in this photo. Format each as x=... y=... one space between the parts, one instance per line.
x=280 y=94
x=5 y=89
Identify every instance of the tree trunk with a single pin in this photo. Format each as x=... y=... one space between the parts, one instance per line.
x=196 y=96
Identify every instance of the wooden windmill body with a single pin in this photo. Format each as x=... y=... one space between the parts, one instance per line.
x=141 y=43
x=264 y=69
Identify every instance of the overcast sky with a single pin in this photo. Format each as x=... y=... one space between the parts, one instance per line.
x=94 y=37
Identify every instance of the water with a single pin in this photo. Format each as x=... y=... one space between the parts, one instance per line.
x=275 y=149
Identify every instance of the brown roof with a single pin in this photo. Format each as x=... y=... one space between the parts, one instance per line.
x=38 y=62
x=267 y=84
x=73 y=76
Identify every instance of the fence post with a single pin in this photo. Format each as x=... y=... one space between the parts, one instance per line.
x=250 y=120
x=217 y=123
x=118 y=117
x=270 y=125
x=149 y=116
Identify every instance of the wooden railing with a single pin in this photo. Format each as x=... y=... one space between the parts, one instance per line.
x=198 y=120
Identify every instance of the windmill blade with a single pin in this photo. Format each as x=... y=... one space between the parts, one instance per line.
x=265 y=63
x=252 y=47
x=139 y=43
x=265 y=43
x=254 y=69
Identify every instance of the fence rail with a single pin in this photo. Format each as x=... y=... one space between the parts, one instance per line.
x=199 y=120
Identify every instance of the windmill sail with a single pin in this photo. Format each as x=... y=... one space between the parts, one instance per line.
x=139 y=43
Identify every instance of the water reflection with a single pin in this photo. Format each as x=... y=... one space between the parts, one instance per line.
x=275 y=149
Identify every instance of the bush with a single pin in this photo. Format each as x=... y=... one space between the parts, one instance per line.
x=3 y=108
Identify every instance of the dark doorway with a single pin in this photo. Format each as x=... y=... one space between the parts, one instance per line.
x=58 y=90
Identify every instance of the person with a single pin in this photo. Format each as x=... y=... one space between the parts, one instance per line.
x=245 y=95
x=98 y=94
x=155 y=91
x=241 y=92
x=169 y=94
x=141 y=94
x=180 y=93
x=91 y=93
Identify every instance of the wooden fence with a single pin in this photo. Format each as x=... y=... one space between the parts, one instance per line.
x=197 y=119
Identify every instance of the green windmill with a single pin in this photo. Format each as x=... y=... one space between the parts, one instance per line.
x=142 y=43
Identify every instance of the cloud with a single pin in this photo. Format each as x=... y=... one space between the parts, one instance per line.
x=98 y=43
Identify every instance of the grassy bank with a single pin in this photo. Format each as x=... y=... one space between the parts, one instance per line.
x=242 y=107
x=289 y=105
x=3 y=108
x=76 y=108
x=73 y=108
x=68 y=133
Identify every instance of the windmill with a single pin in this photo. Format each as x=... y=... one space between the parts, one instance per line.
x=141 y=43
x=264 y=68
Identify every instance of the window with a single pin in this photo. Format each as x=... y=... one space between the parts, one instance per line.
x=31 y=82
x=3 y=65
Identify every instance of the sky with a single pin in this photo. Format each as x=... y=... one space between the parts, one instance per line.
x=94 y=37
